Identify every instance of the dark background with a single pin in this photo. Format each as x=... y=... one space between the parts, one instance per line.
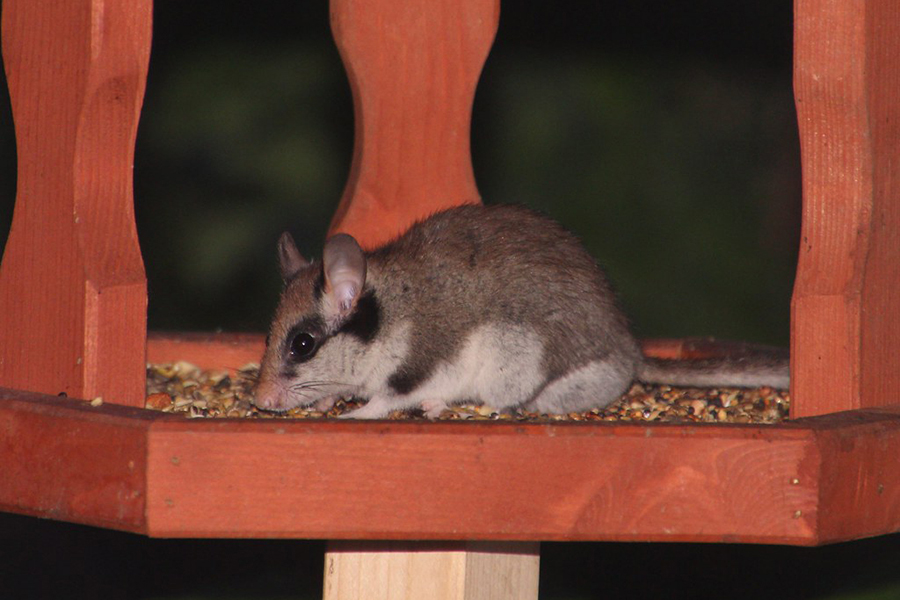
x=662 y=133
x=44 y=559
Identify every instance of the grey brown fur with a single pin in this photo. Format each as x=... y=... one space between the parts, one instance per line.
x=496 y=304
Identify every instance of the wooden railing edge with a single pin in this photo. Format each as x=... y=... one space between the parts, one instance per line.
x=167 y=476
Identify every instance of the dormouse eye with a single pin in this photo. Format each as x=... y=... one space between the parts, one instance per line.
x=302 y=346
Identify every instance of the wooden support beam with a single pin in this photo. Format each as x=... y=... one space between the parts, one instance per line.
x=846 y=303
x=73 y=295
x=433 y=570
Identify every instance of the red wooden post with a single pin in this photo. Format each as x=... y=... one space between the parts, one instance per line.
x=72 y=286
x=846 y=304
x=413 y=67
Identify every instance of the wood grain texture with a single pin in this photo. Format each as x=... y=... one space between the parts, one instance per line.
x=413 y=67
x=206 y=350
x=72 y=285
x=479 y=481
x=704 y=348
x=846 y=303
x=859 y=482
x=437 y=571
x=810 y=481
x=81 y=463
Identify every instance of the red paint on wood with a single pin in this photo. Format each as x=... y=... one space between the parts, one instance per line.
x=206 y=350
x=66 y=460
x=702 y=348
x=72 y=286
x=846 y=304
x=413 y=67
x=859 y=481
x=806 y=482
x=480 y=481
x=72 y=304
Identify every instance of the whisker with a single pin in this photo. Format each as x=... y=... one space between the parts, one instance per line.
x=315 y=385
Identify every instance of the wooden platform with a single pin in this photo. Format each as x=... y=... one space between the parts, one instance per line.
x=805 y=482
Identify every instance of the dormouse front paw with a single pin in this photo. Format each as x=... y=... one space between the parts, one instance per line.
x=433 y=408
x=325 y=404
x=376 y=408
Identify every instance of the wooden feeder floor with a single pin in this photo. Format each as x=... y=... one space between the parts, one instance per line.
x=804 y=481
x=185 y=389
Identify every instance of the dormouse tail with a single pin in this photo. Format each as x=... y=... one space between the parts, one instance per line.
x=752 y=370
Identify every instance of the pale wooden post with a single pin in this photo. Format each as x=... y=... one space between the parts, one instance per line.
x=436 y=571
x=846 y=304
x=73 y=292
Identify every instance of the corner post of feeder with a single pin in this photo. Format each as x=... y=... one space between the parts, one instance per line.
x=73 y=292
x=413 y=67
x=846 y=302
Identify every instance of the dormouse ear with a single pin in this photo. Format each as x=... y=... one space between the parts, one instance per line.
x=289 y=258
x=344 y=265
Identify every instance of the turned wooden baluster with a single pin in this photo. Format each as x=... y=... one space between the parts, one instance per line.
x=73 y=292
x=846 y=305
x=413 y=67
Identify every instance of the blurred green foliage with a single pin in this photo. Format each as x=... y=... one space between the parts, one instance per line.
x=679 y=177
x=220 y=175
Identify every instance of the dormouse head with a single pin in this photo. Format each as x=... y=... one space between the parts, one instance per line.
x=319 y=299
